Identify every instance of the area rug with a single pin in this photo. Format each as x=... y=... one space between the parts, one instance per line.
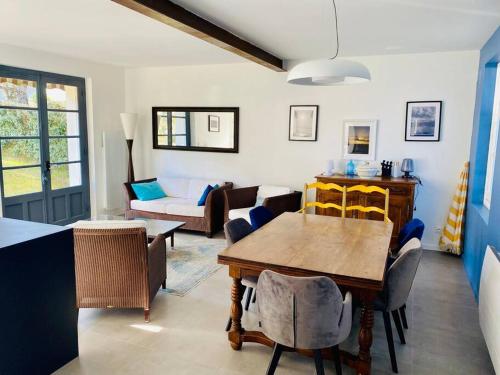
x=190 y=261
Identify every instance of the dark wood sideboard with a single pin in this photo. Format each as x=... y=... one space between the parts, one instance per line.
x=38 y=318
x=401 y=199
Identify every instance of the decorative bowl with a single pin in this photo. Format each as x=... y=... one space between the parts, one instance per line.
x=367 y=171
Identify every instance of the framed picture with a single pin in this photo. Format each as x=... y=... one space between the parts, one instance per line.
x=213 y=123
x=360 y=139
x=423 y=121
x=303 y=123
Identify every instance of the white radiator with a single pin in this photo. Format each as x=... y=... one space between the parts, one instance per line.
x=489 y=304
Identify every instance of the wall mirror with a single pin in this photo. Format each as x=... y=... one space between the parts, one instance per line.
x=196 y=128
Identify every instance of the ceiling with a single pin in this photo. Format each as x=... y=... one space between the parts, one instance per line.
x=103 y=31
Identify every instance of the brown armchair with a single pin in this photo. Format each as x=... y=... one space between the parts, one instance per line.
x=115 y=267
x=245 y=199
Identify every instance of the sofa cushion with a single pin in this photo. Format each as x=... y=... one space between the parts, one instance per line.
x=198 y=186
x=156 y=205
x=203 y=198
x=240 y=212
x=147 y=191
x=108 y=224
x=175 y=187
x=266 y=191
x=188 y=208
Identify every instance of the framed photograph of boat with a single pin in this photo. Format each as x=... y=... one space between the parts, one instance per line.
x=423 y=121
x=360 y=139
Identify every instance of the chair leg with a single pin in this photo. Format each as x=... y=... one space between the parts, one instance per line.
x=336 y=359
x=254 y=297
x=249 y=298
x=318 y=361
x=402 y=312
x=164 y=284
x=399 y=327
x=228 y=325
x=278 y=349
x=146 y=315
x=390 y=340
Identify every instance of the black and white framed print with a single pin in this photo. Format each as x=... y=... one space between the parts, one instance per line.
x=423 y=121
x=213 y=123
x=303 y=123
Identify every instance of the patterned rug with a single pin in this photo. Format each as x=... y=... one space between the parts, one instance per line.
x=192 y=260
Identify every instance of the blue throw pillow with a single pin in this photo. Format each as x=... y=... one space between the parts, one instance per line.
x=203 y=198
x=147 y=191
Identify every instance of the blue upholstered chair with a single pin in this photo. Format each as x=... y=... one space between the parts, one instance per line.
x=398 y=282
x=260 y=216
x=412 y=229
x=303 y=313
x=235 y=230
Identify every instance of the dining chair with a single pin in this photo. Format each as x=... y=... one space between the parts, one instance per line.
x=260 y=216
x=412 y=229
x=235 y=230
x=399 y=280
x=303 y=313
x=368 y=190
x=323 y=186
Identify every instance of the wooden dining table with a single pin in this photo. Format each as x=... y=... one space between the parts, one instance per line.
x=352 y=252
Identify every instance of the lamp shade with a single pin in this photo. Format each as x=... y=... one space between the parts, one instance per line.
x=129 y=123
x=407 y=166
x=328 y=73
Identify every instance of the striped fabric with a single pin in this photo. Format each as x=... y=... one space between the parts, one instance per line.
x=451 y=239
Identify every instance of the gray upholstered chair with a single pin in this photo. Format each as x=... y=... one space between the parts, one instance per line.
x=303 y=313
x=398 y=282
x=235 y=230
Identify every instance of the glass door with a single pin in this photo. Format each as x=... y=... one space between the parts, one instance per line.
x=43 y=147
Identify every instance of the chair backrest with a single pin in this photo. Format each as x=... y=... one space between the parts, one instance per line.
x=412 y=229
x=323 y=186
x=301 y=312
x=111 y=263
x=401 y=274
x=368 y=190
x=236 y=229
x=260 y=216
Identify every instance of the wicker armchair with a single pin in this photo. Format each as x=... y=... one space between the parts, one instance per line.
x=115 y=267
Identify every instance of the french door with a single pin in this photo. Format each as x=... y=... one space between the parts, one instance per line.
x=43 y=147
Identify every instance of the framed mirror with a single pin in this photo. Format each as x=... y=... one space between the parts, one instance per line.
x=196 y=128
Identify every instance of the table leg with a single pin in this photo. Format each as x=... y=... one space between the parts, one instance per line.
x=236 y=332
x=365 y=337
x=172 y=239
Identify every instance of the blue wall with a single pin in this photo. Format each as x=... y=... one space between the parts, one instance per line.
x=482 y=226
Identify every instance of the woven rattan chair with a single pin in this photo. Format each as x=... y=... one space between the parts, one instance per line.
x=115 y=267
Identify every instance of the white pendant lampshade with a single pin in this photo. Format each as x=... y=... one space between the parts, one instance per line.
x=328 y=72
x=129 y=123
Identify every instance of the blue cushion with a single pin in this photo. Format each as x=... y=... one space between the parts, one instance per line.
x=260 y=216
x=413 y=229
x=203 y=198
x=147 y=191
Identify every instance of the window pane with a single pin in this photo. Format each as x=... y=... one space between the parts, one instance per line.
x=64 y=149
x=62 y=96
x=162 y=125
x=162 y=140
x=18 y=122
x=179 y=114
x=179 y=140
x=22 y=181
x=63 y=123
x=65 y=175
x=178 y=125
x=18 y=93
x=19 y=152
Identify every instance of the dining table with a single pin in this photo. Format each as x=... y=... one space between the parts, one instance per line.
x=352 y=252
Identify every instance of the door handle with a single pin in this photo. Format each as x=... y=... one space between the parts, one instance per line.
x=47 y=166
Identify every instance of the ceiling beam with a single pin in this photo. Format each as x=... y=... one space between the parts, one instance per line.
x=176 y=16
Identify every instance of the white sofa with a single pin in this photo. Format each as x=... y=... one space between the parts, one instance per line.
x=181 y=203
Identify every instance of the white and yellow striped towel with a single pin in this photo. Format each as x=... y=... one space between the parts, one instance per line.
x=451 y=239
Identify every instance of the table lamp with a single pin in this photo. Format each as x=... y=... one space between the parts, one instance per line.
x=129 y=123
x=407 y=167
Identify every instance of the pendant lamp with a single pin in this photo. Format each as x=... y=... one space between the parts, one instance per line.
x=329 y=72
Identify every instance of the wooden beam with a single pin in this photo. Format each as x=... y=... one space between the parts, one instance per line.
x=176 y=16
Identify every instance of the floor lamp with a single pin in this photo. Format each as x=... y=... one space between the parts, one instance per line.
x=129 y=123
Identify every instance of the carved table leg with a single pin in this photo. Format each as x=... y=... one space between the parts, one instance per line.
x=365 y=337
x=237 y=330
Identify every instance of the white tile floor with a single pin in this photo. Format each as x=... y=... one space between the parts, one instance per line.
x=186 y=334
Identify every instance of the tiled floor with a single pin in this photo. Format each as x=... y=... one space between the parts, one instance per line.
x=186 y=334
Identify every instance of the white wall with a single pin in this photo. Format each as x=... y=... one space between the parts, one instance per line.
x=105 y=100
x=264 y=97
